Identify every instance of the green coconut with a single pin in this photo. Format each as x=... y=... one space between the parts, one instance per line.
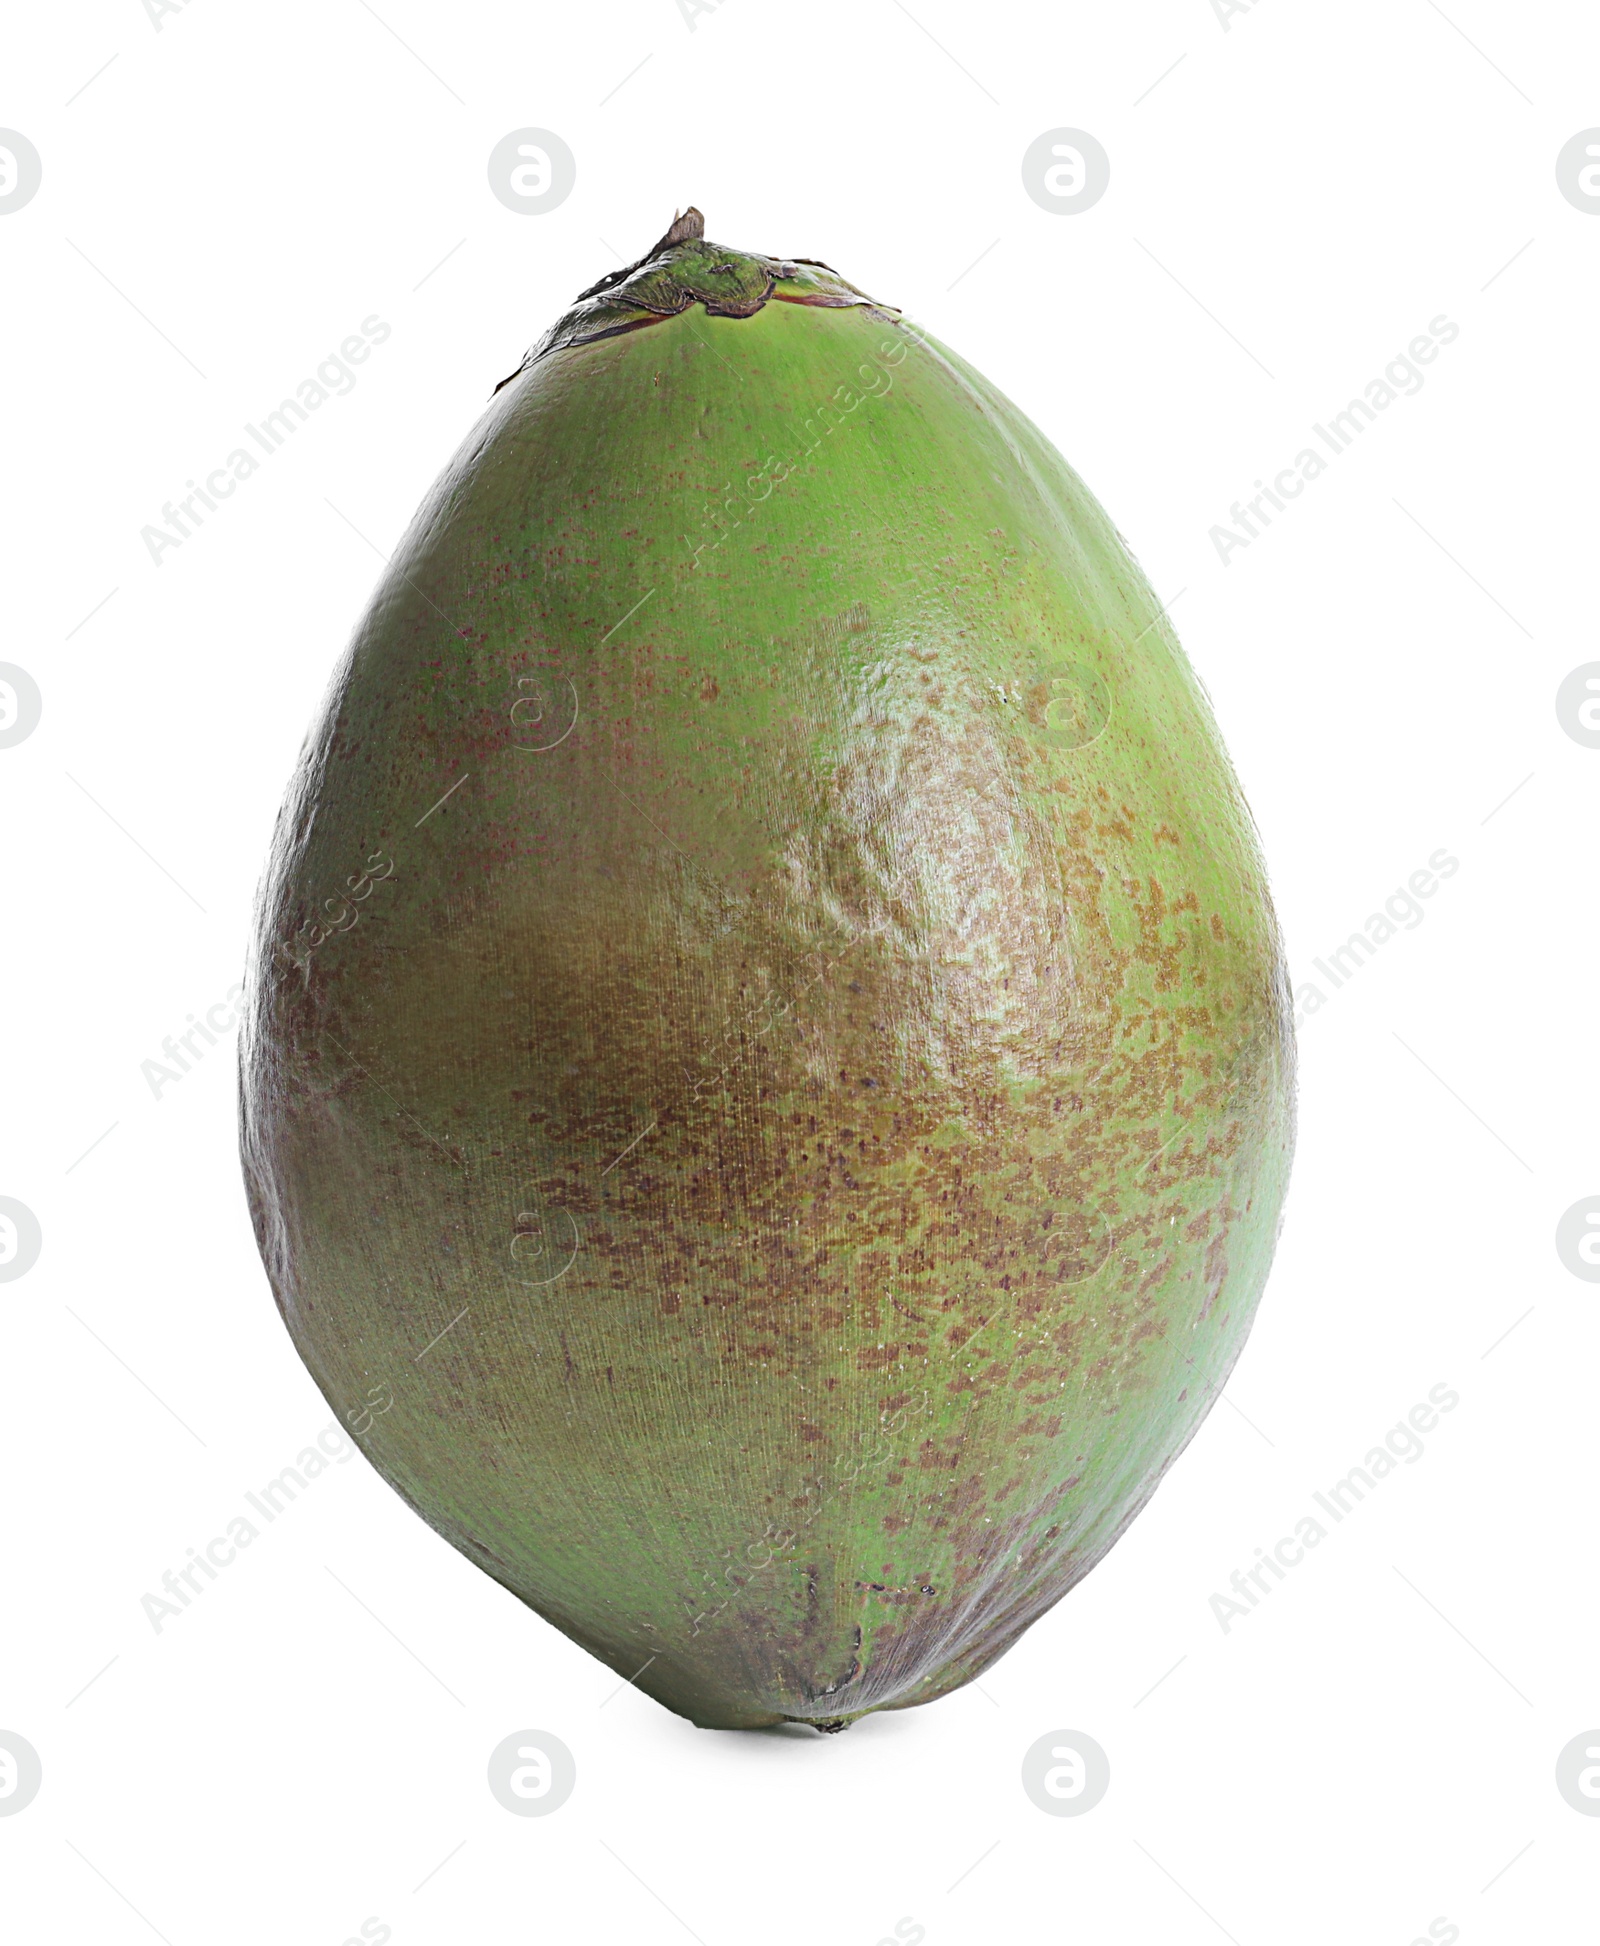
x=767 y=1087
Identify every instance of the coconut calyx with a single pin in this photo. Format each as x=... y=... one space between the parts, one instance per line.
x=683 y=269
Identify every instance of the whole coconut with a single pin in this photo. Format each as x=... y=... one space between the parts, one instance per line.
x=767 y=1086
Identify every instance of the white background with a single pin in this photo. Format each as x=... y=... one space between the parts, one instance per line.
x=1373 y=1748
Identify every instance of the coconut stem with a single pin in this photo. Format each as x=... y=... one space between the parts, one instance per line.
x=685 y=229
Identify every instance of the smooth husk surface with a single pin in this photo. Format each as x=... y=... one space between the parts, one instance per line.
x=768 y=1043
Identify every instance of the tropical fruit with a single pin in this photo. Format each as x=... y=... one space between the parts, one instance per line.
x=767 y=1086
